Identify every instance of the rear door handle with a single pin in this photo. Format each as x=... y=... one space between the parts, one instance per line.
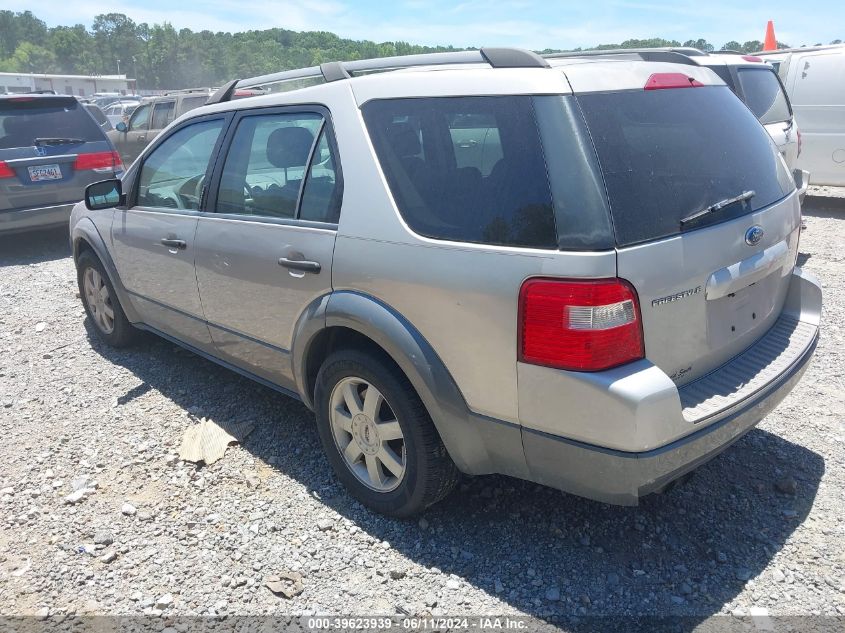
x=300 y=264
x=171 y=243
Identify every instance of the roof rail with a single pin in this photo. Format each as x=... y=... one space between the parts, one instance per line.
x=647 y=55
x=337 y=71
x=183 y=91
x=800 y=49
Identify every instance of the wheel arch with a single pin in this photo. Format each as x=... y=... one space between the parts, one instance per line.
x=86 y=237
x=349 y=318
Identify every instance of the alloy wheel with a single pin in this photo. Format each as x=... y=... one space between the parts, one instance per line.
x=98 y=299
x=367 y=434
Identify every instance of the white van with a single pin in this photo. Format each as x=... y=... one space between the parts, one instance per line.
x=814 y=78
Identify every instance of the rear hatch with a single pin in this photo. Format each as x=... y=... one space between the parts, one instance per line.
x=711 y=274
x=50 y=149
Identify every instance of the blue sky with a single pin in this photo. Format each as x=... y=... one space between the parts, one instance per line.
x=537 y=25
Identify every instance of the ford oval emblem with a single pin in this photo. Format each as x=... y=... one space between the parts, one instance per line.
x=754 y=235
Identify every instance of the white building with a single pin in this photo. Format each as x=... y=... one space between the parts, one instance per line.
x=78 y=85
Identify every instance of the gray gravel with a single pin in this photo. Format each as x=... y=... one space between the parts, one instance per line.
x=98 y=515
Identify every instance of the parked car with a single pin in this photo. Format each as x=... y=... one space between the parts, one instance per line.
x=120 y=111
x=576 y=272
x=151 y=117
x=815 y=81
x=756 y=83
x=99 y=116
x=103 y=99
x=50 y=149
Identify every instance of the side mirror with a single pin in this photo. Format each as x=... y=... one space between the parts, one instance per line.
x=121 y=127
x=105 y=194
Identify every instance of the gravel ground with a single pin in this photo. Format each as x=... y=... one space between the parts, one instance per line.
x=757 y=530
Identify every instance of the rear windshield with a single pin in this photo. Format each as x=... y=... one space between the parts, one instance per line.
x=667 y=154
x=24 y=119
x=764 y=95
x=475 y=169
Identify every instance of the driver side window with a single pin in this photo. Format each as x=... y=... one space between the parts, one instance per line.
x=140 y=118
x=172 y=176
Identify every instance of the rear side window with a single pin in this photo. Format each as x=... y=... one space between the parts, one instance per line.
x=667 y=154
x=24 y=119
x=267 y=171
x=764 y=95
x=163 y=114
x=468 y=169
x=189 y=103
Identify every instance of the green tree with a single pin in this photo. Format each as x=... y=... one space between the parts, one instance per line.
x=116 y=38
x=733 y=45
x=29 y=58
x=16 y=28
x=71 y=46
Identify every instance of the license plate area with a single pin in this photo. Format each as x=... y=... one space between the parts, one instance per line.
x=735 y=315
x=40 y=173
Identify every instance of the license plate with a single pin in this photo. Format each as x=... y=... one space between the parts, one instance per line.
x=45 y=172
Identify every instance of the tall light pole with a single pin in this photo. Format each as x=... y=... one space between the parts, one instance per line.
x=135 y=72
x=118 y=66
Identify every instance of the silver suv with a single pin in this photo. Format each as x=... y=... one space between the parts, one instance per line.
x=579 y=272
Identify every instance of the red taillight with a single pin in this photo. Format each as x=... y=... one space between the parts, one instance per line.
x=5 y=170
x=798 y=136
x=99 y=161
x=579 y=325
x=662 y=81
x=752 y=58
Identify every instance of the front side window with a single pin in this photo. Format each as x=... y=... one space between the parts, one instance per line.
x=469 y=169
x=173 y=175
x=140 y=118
x=266 y=171
x=764 y=95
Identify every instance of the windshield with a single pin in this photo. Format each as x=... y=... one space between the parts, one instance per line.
x=668 y=154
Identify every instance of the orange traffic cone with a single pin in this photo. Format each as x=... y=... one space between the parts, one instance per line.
x=771 y=44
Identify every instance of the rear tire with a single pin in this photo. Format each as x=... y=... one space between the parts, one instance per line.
x=101 y=303
x=378 y=435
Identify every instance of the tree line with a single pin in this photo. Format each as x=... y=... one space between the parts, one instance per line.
x=160 y=56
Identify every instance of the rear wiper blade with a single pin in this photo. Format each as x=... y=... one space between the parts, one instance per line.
x=59 y=141
x=745 y=196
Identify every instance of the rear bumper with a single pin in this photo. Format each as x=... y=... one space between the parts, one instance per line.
x=37 y=218
x=802 y=181
x=622 y=477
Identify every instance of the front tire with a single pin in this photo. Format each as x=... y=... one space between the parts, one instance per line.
x=101 y=303
x=378 y=436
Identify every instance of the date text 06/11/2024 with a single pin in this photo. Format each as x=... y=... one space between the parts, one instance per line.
x=417 y=624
